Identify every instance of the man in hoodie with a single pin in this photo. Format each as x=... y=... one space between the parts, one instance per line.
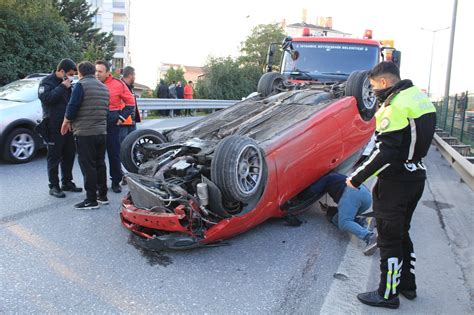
x=405 y=124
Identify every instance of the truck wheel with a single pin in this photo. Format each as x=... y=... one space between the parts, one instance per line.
x=270 y=83
x=237 y=168
x=358 y=85
x=20 y=146
x=131 y=152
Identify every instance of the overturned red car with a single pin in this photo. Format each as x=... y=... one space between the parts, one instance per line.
x=236 y=168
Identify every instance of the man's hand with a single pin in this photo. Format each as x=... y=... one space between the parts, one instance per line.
x=119 y=122
x=349 y=183
x=67 y=83
x=66 y=126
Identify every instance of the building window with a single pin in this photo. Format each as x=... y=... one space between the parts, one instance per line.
x=118 y=5
x=119 y=49
x=118 y=27
x=96 y=3
x=119 y=40
x=117 y=63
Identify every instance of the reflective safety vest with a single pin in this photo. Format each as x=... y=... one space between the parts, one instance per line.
x=408 y=104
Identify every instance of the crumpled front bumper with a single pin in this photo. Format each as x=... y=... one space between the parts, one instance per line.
x=156 y=231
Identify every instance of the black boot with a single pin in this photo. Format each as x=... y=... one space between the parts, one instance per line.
x=116 y=188
x=374 y=299
x=70 y=186
x=56 y=192
x=409 y=294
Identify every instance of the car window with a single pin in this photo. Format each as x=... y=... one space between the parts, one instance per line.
x=20 y=91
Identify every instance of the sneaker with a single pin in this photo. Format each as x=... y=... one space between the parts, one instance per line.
x=56 y=192
x=371 y=241
x=124 y=181
x=116 y=188
x=70 y=187
x=86 y=205
x=374 y=299
x=103 y=200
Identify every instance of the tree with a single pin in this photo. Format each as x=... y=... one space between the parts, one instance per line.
x=174 y=75
x=79 y=17
x=33 y=38
x=254 y=49
x=226 y=78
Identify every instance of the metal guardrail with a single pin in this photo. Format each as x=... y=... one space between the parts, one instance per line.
x=176 y=104
x=460 y=163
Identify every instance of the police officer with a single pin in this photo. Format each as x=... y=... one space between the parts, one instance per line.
x=405 y=124
x=54 y=92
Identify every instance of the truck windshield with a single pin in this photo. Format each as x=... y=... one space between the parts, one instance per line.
x=330 y=58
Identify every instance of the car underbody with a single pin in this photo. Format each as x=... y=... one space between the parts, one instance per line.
x=202 y=176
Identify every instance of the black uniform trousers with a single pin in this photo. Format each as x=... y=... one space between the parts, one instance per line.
x=61 y=152
x=91 y=156
x=394 y=203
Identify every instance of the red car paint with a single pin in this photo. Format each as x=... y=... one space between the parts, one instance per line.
x=294 y=159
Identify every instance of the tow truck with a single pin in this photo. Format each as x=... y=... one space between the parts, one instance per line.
x=321 y=60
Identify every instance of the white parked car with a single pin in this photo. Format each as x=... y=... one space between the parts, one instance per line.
x=20 y=112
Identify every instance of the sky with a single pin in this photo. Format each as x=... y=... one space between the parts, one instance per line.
x=188 y=32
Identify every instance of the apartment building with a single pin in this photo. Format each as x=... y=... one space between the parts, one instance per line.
x=114 y=16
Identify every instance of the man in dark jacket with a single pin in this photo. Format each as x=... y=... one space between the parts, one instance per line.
x=54 y=92
x=405 y=124
x=86 y=116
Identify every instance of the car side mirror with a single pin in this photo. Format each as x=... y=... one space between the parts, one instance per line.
x=270 y=54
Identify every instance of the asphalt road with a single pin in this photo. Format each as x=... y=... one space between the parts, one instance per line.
x=55 y=259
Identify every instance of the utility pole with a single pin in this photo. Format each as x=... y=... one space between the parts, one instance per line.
x=450 y=56
x=432 y=50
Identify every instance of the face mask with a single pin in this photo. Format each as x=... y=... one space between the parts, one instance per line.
x=71 y=78
x=382 y=94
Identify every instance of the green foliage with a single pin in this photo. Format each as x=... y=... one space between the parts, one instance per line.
x=227 y=78
x=33 y=38
x=174 y=75
x=254 y=49
x=95 y=44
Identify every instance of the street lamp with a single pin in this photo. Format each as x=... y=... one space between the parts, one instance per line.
x=432 y=49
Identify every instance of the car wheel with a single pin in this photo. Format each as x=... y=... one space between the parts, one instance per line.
x=20 y=146
x=358 y=85
x=270 y=83
x=130 y=154
x=237 y=168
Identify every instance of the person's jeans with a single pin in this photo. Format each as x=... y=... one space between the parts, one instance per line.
x=124 y=131
x=353 y=201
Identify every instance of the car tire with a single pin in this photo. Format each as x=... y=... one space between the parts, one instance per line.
x=20 y=146
x=238 y=169
x=129 y=153
x=270 y=83
x=358 y=85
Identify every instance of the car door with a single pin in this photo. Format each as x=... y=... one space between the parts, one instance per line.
x=311 y=151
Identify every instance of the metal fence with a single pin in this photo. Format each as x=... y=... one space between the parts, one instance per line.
x=455 y=116
x=169 y=107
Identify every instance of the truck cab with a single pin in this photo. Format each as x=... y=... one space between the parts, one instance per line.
x=324 y=60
